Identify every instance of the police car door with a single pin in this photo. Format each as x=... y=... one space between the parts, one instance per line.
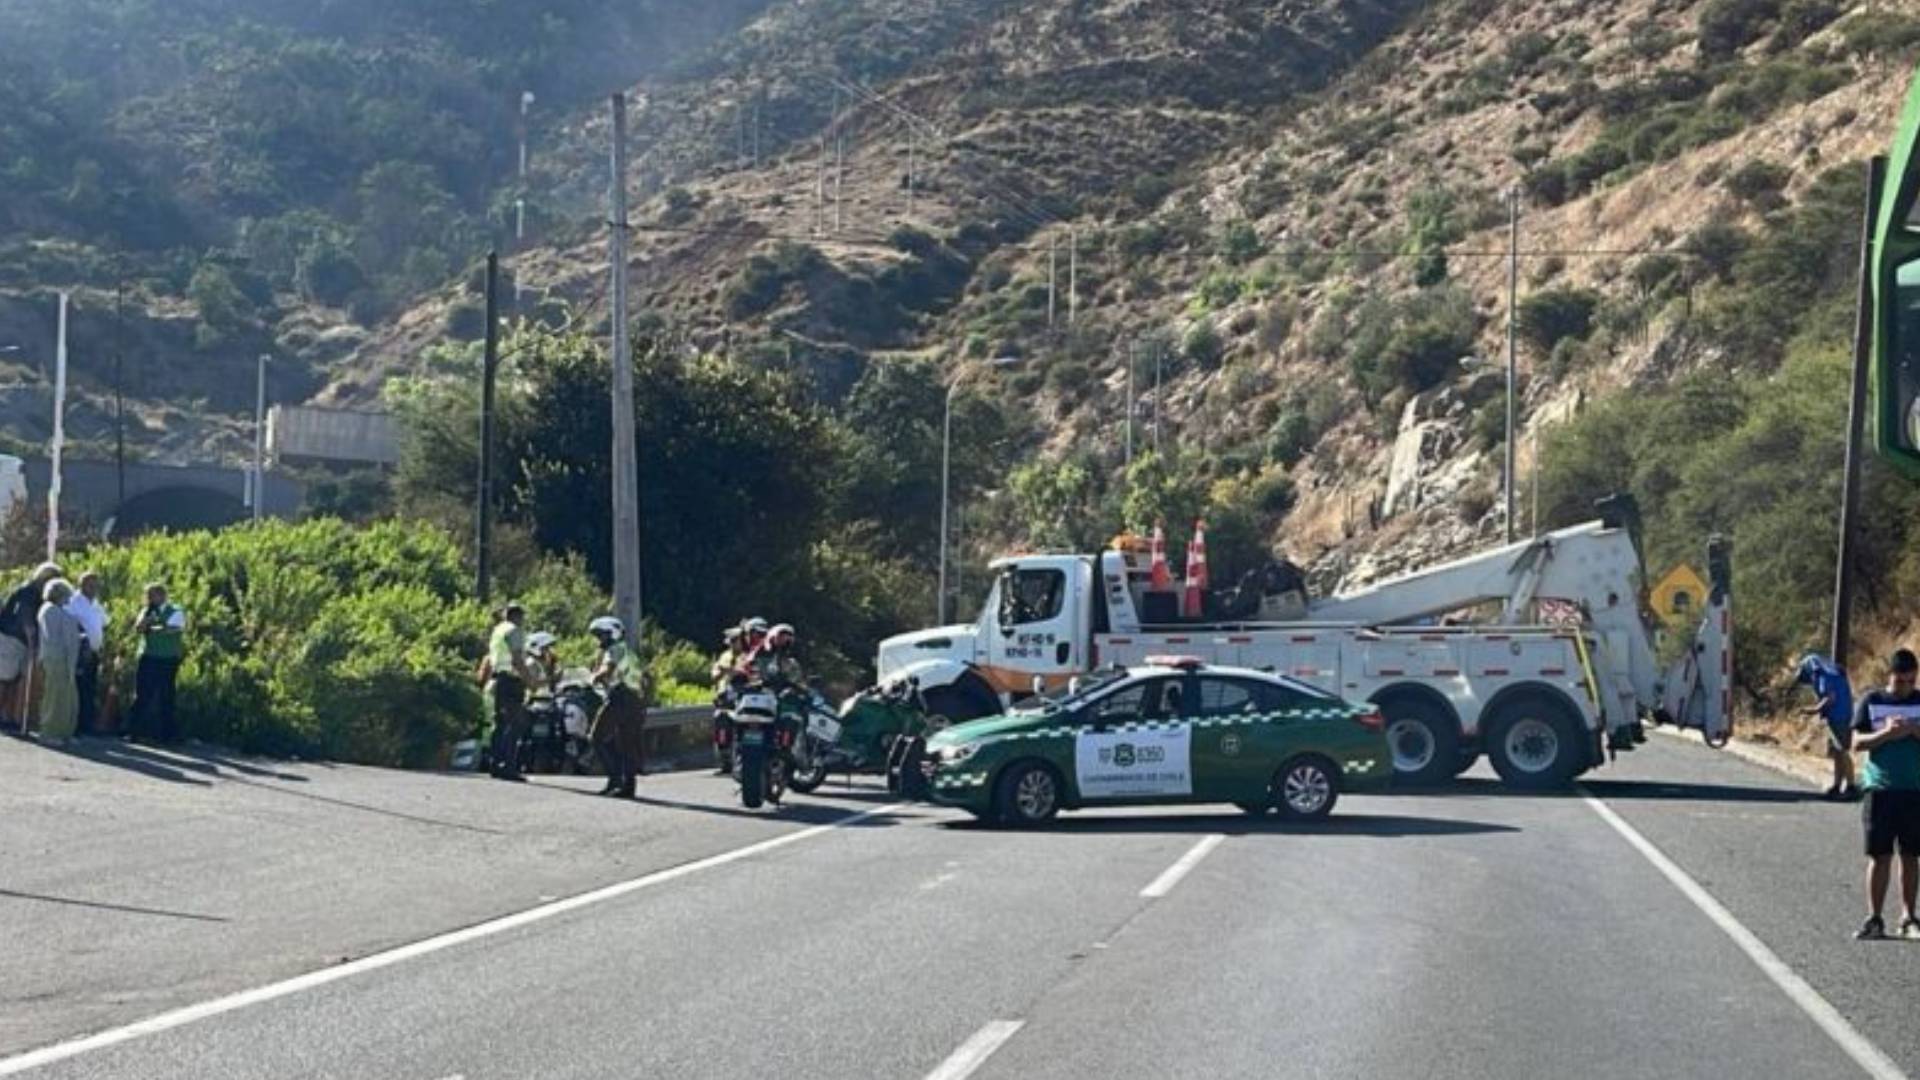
x=1227 y=762
x=1132 y=745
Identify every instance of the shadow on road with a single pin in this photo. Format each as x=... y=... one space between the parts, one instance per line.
x=1652 y=790
x=1388 y=826
x=796 y=809
x=119 y=755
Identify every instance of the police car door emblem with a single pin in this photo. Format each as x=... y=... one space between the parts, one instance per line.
x=1229 y=744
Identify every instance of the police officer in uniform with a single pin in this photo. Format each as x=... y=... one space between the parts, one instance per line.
x=506 y=675
x=617 y=726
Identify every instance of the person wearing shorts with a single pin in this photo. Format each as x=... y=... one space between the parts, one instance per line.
x=1887 y=726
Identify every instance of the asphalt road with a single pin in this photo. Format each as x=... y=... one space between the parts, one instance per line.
x=1464 y=933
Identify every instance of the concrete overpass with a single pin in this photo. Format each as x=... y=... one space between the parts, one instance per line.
x=172 y=497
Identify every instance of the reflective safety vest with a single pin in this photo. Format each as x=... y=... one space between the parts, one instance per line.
x=627 y=669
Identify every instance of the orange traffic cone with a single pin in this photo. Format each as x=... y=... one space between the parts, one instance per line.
x=1162 y=576
x=1191 y=605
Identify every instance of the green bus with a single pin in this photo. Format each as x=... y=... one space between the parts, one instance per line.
x=1896 y=290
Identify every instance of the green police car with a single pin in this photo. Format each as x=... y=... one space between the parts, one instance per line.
x=1171 y=731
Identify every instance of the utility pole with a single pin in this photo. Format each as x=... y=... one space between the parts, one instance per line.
x=59 y=434
x=1159 y=354
x=839 y=176
x=626 y=465
x=820 y=189
x=1053 y=273
x=1856 y=418
x=1513 y=363
x=1073 y=275
x=913 y=146
x=755 y=141
x=489 y=373
x=119 y=396
x=1132 y=349
x=260 y=439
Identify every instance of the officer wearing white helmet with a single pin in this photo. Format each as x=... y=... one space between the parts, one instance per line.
x=616 y=727
x=774 y=663
x=543 y=667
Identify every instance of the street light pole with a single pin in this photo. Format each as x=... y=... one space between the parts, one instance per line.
x=946 y=478
x=260 y=439
x=1513 y=363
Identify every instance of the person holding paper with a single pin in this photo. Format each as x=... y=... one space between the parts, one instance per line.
x=1887 y=726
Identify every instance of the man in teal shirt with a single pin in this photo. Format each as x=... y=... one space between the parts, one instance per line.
x=1887 y=726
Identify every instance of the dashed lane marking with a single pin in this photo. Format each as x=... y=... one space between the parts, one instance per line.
x=976 y=1050
x=1171 y=876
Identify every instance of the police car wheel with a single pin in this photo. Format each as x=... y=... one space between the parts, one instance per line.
x=1306 y=788
x=1028 y=794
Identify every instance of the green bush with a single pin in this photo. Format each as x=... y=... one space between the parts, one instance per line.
x=317 y=638
x=1551 y=316
x=1759 y=183
x=1239 y=243
x=1203 y=346
x=1881 y=33
x=1727 y=26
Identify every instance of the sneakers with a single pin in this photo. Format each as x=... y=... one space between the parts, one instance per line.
x=1910 y=928
x=1874 y=929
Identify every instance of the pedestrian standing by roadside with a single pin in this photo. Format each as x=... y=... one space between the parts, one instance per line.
x=163 y=642
x=1887 y=726
x=19 y=629
x=506 y=676
x=1833 y=703
x=59 y=657
x=616 y=730
x=92 y=615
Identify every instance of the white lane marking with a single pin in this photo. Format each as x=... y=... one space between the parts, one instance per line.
x=1164 y=884
x=976 y=1050
x=1869 y=1057
x=181 y=1017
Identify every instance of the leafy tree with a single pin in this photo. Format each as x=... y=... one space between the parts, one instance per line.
x=1058 y=503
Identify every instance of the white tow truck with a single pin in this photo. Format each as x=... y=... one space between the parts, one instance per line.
x=1544 y=700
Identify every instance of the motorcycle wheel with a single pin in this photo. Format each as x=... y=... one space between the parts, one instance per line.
x=776 y=778
x=806 y=779
x=753 y=779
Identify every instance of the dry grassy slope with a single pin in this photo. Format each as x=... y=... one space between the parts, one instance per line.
x=1470 y=152
x=1040 y=115
x=1025 y=111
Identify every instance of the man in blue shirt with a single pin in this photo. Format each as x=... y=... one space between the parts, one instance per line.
x=1833 y=703
x=1887 y=727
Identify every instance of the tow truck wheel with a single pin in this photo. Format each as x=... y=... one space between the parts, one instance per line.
x=1535 y=743
x=1306 y=788
x=1028 y=794
x=1425 y=742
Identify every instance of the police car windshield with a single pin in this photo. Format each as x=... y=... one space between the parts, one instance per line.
x=1073 y=692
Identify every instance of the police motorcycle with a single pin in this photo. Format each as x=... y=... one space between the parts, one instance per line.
x=863 y=735
x=766 y=722
x=556 y=739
